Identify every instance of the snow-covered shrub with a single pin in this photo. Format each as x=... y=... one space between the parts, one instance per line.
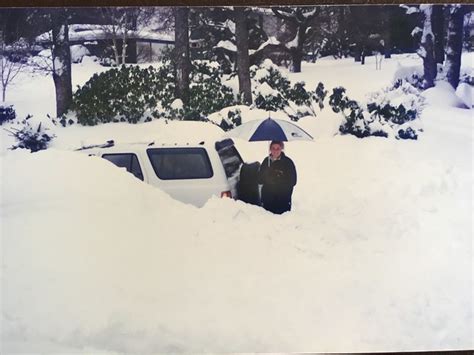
x=7 y=113
x=320 y=95
x=356 y=119
x=408 y=133
x=390 y=112
x=207 y=93
x=467 y=77
x=107 y=62
x=269 y=99
x=415 y=80
x=30 y=137
x=233 y=119
x=131 y=94
x=398 y=104
x=66 y=120
x=411 y=74
x=339 y=101
x=229 y=117
x=273 y=92
x=302 y=103
x=270 y=74
x=270 y=86
x=125 y=94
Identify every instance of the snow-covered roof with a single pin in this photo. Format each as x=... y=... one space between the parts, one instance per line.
x=90 y=32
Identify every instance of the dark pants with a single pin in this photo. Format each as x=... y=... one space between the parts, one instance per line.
x=277 y=203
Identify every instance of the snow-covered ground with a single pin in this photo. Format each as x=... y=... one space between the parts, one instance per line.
x=377 y=254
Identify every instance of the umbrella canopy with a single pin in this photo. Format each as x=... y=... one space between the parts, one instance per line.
x=269 y=129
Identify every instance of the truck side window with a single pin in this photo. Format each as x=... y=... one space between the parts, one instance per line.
x=180 y=163
x=128 y=161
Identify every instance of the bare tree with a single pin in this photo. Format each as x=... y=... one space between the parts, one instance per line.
x=243 y=60
x=122 y=27
x=12 y=61
x=116 y=28
x=183 y=63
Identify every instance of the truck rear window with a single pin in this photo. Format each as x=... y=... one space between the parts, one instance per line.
x=230 y=157
x=180 y=163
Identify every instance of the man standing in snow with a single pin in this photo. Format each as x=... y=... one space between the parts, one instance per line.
x=277 y=174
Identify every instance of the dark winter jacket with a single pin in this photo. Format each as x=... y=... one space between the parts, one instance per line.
x=278 y=179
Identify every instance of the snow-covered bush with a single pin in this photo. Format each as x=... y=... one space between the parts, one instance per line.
x=125 y=94
x=356 y=120
x=30 y=137
x=302 y=103
x=415 y=80
x=131 y=94
x=392 y=112
x=411 y=74
x=7 y=113
x=269 y=99
x=207 y=92
x=273 y=92
x=229 y=117
x=107 y=62
x=398 y=104
x=270 y=86
x=233 y=119
x=467 y=77
x=270 y=74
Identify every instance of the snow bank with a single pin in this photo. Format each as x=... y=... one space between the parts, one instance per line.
x=93 y=257
x=443 y=95
x=466 y=93
x=78 y=52
x=325 y=125
x=380 y=238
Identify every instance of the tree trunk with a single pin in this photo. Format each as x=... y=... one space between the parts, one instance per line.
x=427 y=42
x=296 y=58
x=243 y=61
x=131 y=52
x=116 y=51
x=61 y=55
x=387 y=14
x=387 y=49
x=429 y=63
x=357 y=54
x=454 y=44
x=297 y=53
x=438 y=32
x=183 y=64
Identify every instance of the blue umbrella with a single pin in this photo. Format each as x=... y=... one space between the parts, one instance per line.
x=269 y=129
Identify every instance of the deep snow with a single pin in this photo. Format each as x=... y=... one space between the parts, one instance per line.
x=375 y=256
